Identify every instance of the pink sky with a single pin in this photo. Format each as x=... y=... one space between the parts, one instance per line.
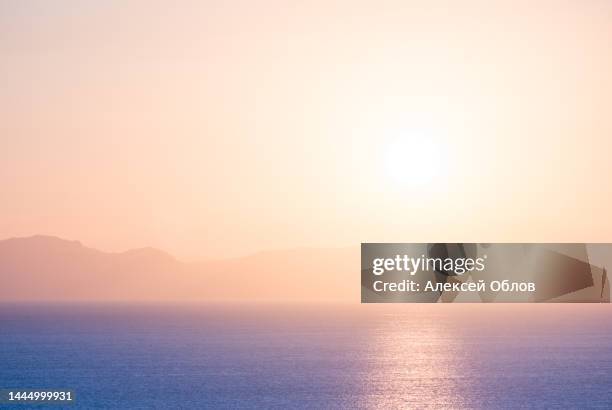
x=214 y=129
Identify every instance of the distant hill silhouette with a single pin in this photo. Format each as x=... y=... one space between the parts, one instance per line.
x=47 y=268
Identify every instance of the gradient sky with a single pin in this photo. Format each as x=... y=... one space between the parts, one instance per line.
x=221 y=128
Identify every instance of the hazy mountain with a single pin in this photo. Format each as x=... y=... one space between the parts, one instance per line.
x=50 y=268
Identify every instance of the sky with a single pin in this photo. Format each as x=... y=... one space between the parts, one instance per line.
x=214 y=129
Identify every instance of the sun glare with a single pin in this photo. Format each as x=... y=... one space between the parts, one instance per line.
x=413 y=160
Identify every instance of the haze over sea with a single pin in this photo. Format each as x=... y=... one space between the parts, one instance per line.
x=317 y=356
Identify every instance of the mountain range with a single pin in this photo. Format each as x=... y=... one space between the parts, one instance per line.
x=47 y=268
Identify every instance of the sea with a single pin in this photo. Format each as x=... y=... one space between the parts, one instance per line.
x=284 y=356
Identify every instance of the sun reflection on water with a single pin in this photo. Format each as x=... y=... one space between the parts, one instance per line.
x=416 y=364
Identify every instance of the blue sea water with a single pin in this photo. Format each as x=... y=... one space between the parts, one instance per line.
x=325 y=356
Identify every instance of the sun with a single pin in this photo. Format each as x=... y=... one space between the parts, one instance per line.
x=414 y=159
